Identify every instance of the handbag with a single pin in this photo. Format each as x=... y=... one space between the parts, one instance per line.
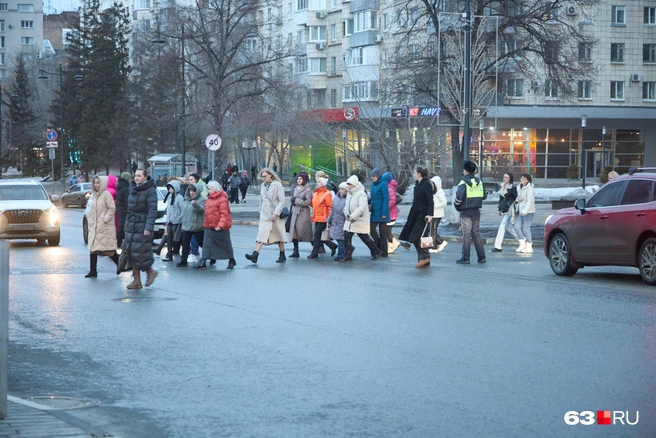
x=325 y=235
x=399 y=199
x=284 y=214
x=124 y=264
x=288 y=222
x=426 y=242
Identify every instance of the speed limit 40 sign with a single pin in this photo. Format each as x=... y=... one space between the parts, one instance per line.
x=213 y=142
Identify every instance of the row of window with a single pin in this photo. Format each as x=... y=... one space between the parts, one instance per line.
x=25 y=24
x=21 y=7
x=618 y=17
x=514 y=88
x=617 y=52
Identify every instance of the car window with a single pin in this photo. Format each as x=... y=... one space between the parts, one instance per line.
x=607 y=196
x=639 y=191
x=22 y=193
x=75 y=188
x=160 y=195
x=86 y=186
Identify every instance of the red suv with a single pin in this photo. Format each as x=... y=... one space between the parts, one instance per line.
x=616 y=226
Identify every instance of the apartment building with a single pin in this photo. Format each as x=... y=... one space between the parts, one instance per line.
x=21 y=32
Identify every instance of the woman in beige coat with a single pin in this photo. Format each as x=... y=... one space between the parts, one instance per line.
x=102 y=231
x=357 y=216
x=271 y=229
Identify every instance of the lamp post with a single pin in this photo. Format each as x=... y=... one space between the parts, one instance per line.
x=44 y=75
x=481 y=127
x=603 y=147
x=467 y=95
x=160 y=40
x=252 y=148
x=584 y=160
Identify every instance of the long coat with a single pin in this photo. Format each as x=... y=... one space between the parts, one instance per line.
x=272 y=202
x=140 y=216
x=102 y=229
x=336 y=219
x=379 y=202
x=217 y=244
x=122 y=193
x=422 y=206
x=392 y=184
x=300 y=227
x=357 y=206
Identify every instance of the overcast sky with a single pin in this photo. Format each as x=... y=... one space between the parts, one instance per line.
x=59 y=6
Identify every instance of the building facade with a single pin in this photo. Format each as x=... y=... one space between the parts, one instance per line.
x=21 y=32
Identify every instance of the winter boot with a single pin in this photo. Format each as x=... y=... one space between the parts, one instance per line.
x=231 y=264
x=136 y=283
x=168 y=258
x=162 y=243
x=183 y=262
x=522 y=245
x=253 y=257
x=212 y=262
x=93 y=266
x=528 y=249
x=281 y=257
x=295 y=254
x=332 y=246
x=315 y=250
x=201 y=265
x=152 y=275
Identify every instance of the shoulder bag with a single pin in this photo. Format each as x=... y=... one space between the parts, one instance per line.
x=124 y=263
x=284 y=214
x=426 y=241
x=288 y=222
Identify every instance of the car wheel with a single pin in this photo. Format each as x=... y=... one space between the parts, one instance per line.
x=647 y=261
x=53 y=240
x=80 y=203
x=85 y=230
x=560 y=256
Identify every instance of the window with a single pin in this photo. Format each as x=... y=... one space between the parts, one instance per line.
x=639 y=191
x=299 y=37
x=550 y=90
x=333 y=65
x=514 y=87
x=2 y=59
x=585 y=90
x=617 y=52
x=301 y=5
x=2 y=42
x=142 y=4
x=618 y=16
x=551 y=13
x=144 y=25
x=320 y=98
x=301 y=65
x=25 y=7
x=333 y=98
x=607 y=196
x=348 y=27
x=27 y=41
x=650 y=15
x=355 y=56
x=367 y=90
x=385 y=25
x=585 y=52
x=317 y=65
x=4 y=6
x=317 y=33
x=308 y=98
x=250 y=44
x=290 y=9
x=414 y=16
x=365 y=20
x=2 y=25
x=617 y=90
x=27 y=24
x=414 y=52
x=509 y=46
x=648 y=90
x=400 y=19
x=333 y=32
x=649 y=52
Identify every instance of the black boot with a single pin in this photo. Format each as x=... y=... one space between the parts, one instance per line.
x=162 y=242
x=114 y=258
x=212 y=262
x=332 y=246
x=183 y=262
x=168 y=258
x=281 y=257
x=231 y=264
x=295 y=254
x=253 y=257
x=200 y=265
x=315 y=250
x=375 y=251
x=93 y=266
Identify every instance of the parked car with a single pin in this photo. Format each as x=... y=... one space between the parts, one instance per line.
x=78 y=195
x=615 y=227
x=160 y=222
x=27 y=212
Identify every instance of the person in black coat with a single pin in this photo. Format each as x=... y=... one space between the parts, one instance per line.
x=122 y=192
x=421 y=214
x=140 y=227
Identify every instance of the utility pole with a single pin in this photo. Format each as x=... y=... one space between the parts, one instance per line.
x=467 y=103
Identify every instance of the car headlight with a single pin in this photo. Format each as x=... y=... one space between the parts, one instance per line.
x=54 y=216
x=546 y=221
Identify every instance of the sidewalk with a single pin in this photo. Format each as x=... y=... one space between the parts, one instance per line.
x=28 y=420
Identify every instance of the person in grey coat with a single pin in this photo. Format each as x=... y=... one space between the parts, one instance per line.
x=193 y=214
x=173 y=236
x=300 y=226
x=234 y=182
x=139 y=227
x=336 y=220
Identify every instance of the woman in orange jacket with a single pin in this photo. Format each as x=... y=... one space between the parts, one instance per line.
x=322 y=202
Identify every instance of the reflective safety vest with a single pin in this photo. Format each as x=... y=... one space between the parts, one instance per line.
x=474 y=195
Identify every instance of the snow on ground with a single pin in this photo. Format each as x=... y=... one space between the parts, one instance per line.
x=541 y=194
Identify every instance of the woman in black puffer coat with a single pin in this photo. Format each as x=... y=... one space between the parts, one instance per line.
x=139 y=227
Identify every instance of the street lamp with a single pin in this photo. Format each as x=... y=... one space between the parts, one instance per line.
x=160 y=40
x=252 y=148
x=78 y=77
x=584 y=158
x=481 y=128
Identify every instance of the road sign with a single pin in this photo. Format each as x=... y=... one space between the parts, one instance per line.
x=52 y=144
x=51 y=135
x=213 y=142
x=51 y=154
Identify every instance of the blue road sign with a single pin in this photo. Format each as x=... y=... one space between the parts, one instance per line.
x=51 y=135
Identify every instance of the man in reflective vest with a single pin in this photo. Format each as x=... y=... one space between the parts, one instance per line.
x=469 y=200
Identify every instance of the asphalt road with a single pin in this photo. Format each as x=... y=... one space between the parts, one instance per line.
x=315 y=348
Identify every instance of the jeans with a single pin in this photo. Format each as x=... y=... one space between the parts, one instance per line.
x=471 y=230
x=505 y=220
x=380 y=241
x=523 y=227
x=195 y=245
x=340 y=248
x=234 y=195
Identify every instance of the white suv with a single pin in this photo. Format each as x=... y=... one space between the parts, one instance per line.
x=26 y=212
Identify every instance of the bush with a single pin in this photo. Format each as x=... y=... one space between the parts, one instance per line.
x=573 y=171
x=603 y=175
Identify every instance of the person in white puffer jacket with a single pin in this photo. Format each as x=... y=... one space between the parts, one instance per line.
x=526 y=204
x=439 y=202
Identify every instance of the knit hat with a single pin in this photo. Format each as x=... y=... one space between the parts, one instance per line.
x=353 y=180
x=343 y=186
x=126 y=176
x=469 y=166
x=305 y=177
x=323 y=181
x=377 y=173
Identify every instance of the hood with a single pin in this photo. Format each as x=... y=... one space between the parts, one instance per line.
x=175 y=184
x=358 y=188
x=438 y=182
x=111 y=181
x=387 y=177
x=393 y=184
x=199 y=190
x=353 y=180
x=103 y=184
